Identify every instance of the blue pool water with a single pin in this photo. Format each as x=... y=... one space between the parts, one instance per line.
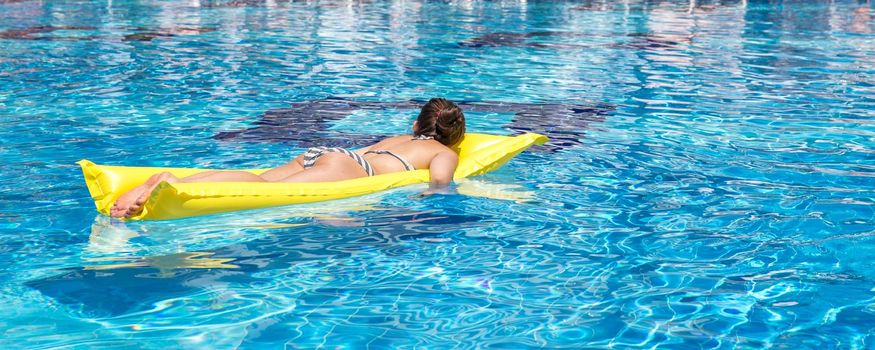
x=710 y=182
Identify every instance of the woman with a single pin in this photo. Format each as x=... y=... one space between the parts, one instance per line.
x=440 y=124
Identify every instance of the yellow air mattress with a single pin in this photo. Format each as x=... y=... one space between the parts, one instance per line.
x=478 y=154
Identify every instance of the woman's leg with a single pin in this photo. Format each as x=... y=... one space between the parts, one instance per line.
x=282 y=172
x=272 y=175
x=132 y=201
x=222 y=176
x=329 y=167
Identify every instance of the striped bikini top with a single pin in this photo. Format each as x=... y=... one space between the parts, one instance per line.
x=404 y=162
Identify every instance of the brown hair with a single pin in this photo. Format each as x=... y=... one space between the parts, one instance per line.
x=441 y=119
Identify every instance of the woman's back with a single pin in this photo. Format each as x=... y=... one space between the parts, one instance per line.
x=391 y=154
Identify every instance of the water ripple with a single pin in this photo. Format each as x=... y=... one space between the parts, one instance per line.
x=708 y=183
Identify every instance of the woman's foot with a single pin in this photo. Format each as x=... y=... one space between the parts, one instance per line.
x=123 y=203
x=132 y=202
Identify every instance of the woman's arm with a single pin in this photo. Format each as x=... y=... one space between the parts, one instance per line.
x=441 y=168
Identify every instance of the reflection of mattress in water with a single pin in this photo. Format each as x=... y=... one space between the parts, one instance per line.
x=478 y=154
x=508 y=192
x=110 y=236
x=128 y=292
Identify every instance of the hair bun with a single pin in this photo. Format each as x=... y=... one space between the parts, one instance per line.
x=443 y=120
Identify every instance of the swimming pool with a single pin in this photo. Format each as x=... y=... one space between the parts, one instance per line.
x=709 y=182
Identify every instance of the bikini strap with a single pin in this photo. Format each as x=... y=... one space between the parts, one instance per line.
x=423 y=137
x=404 y=162
x=359 y=159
